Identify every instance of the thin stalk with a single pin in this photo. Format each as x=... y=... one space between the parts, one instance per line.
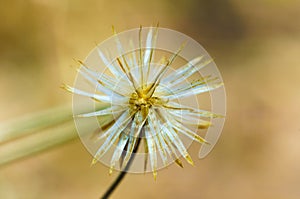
x=123 y=172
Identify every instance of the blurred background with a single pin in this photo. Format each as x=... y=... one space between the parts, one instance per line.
x=256 y=45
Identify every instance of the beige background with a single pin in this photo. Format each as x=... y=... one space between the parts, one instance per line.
x=256 y=47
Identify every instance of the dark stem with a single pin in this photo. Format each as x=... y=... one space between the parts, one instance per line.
x=123 y=173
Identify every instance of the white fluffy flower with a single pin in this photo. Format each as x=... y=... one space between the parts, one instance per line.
x=143 y=98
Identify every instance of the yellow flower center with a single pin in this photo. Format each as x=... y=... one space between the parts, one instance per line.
x=142 y=100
